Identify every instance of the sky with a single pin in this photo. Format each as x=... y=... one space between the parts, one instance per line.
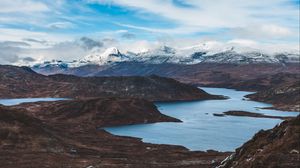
x=37 y=30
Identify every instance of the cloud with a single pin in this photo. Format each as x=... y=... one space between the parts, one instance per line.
x=265 y=31
x=28 y=59
x=61 y=25
x=19 y=35
x=192 y=16
x=35 y=40
x=11 y=52
x=62 y=29
x=206 y=13
x=89 y=43
x=128 y=36
x=23 y=6
x=8 y=53
x=14 y=44
x=243 y=42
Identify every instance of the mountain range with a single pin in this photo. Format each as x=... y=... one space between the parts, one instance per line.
x=165 y=54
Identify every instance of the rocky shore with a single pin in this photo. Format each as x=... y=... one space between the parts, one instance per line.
x=283 y=97
x=277 y=147
x=248 y=114
x=66 y=134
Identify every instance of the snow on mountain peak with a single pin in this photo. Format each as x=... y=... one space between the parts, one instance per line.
x=111 y=54
x=212 y=52
x=111 y=51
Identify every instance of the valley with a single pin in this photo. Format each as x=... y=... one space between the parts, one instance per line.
x=149 y=84
x=103 y=112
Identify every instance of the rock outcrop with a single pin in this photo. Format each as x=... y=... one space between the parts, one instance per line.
x=277 y=147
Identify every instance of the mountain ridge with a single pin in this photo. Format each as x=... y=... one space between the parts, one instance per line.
x=166 y=54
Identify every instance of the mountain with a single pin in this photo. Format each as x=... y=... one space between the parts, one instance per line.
x=284 y=95
x=205 y=53
x=96 y=57
x=277 y=147
x=110 y=55
x=67 y=134
x=23 y=82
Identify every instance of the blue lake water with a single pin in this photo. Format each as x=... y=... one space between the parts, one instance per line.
x=11 y=102
x=200 y=130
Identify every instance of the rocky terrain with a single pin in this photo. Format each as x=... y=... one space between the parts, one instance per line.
x=248 y=114
x=68 y=133
x=56 y=134
x=276 y=84
x=21 y=131
x=23 y=82
x=277 y=147
x=100 y=112
x=270 y=79
x=285 y=96
x=239 y=76
x=201 y=74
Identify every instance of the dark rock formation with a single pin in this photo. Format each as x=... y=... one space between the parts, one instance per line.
x=277 y=147
x=23 y=82
x=248 y=114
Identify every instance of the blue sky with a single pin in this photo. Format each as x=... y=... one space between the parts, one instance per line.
x=47 y=25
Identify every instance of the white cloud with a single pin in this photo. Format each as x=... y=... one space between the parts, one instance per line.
x=22 y=6
x=269 y=24
x=61 y=25
x=263 y=32
x=211 y=14
x=244 y=42
x=274 y=30
x=257 y=20
x=20 y=34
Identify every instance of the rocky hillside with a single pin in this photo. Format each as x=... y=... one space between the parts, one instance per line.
x=19 y=131
x=65 y=134
x=101 y=112
x=23 y=82
x=285 y=96
x=153 y=88
x=204 y=74
x=277 y=147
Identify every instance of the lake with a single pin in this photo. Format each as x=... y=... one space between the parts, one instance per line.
x=200 y=130
x=12 y=102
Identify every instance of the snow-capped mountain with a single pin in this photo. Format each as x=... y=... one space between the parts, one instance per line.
x=96 y=57
x=110 y=55
x=156 y=56
x=206 y=53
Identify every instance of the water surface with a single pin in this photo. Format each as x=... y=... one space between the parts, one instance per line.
x=200 y=130
x=12 y=102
